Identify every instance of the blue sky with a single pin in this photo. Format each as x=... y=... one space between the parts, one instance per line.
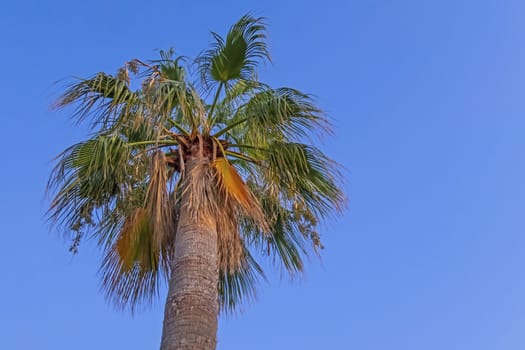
x=428 y=102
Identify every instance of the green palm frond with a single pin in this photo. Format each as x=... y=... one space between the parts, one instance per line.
x=101 y=98
x=172 y=68
x=303 y=173
x=284 y=114
x=88 y=177
x=236 y=56
x=289 y=240
x=242 y=90
x=234 y=97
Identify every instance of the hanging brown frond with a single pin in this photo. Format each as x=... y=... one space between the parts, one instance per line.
x=134 y=265
x=198 y=184
x=208 y=200
x=230 y=245
x=234 y=188
x=131 y=267
x=158 y=202
x=131 y=243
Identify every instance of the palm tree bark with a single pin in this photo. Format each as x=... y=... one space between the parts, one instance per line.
x=192 y=305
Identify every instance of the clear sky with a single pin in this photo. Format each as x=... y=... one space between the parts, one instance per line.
x=428 y=99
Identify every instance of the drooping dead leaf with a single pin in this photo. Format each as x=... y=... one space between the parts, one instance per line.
x=233 y=186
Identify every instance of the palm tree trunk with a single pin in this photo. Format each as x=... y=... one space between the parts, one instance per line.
x=192 y=305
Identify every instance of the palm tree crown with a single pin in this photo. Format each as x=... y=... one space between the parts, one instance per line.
x=266 y=189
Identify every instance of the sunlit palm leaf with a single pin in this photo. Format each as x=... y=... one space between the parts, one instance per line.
x=88 y=176
x=284 y=114
x=304 y=173
x=102 y=97
x=234 y=186
x=237 y=55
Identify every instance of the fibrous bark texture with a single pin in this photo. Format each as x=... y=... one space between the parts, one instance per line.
x=192 y=305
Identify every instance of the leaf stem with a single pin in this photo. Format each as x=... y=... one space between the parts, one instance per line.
x=229 y=127
x=213 y=105
x=163 y=143
x=178 y=127
x=243 y=157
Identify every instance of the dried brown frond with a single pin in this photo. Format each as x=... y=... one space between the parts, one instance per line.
x=131 y=265
x=158 y=203
x=230 y=244
x=134 y=265
x=207 y=200
x=198 y=185
x=235 y=189
x=134 y=231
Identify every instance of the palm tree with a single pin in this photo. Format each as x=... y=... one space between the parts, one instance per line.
x=188 y=182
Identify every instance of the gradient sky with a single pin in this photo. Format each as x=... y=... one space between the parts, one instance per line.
x=428 y=99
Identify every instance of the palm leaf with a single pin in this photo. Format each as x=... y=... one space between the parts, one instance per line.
x=304 y=174
x=101 y=97
x=287 y=243
x=236 y=56
x=88 y=176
